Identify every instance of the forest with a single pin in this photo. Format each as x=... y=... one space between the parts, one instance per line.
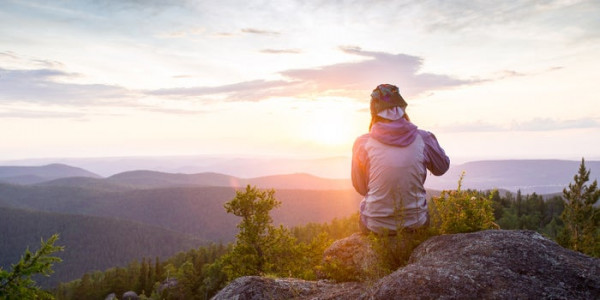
x=261 y=248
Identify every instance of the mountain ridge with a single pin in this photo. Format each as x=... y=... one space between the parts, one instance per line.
x=543 y=176
x=37 y=174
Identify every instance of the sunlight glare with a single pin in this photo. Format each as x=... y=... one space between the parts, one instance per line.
x=329 y=127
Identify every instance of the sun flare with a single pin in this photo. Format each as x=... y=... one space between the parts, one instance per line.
x=329 y=129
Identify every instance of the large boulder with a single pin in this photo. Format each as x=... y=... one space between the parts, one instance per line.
x=130 y=295
x=258 y=288
x=350 y=258
x=493 y=264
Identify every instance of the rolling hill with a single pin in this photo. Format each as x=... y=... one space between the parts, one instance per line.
x=36 y=174
x=143 y=179
x=540 y=176
x=193 y=210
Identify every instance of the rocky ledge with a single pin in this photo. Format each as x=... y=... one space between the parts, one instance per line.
x=493 y=264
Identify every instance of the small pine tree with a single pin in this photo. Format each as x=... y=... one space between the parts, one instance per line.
x=17 y=284
x=582 y=220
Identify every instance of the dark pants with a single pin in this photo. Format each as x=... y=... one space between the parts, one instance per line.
x=365 y=230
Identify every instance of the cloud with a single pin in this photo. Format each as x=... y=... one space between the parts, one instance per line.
x=281 y=51
x=477 y=126
x=354 y=79
x=45 y=86
x=38 y=114
x=547 y=124
x=259 y=31
x=182 y=33
x=243 y=91
x=379 y=67
x=9 y=58
x=537 y=124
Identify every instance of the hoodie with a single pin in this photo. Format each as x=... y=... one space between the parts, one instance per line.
x=389 y=168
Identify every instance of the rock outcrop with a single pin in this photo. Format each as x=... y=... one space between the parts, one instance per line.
x=354 y=254
x=258 y=288
x=493 y=264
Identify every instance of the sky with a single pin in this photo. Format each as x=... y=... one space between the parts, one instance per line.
x=491 y=79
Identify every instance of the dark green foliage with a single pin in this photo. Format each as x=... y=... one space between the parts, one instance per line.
x=582 y=220
x=18 y=284
x=145 y=277
x=461 y=211
x=92 y=243
x=456 y=211
x=257 y=235
x=263 y=249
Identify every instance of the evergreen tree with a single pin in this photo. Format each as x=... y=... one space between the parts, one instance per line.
x=17 y=284
x=582 y=220
x=256 y=231
x=142 y=282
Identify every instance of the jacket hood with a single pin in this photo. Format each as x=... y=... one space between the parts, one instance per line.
x=396 y=133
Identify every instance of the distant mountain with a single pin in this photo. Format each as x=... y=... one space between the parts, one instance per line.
x=196 y=211
x=36 y=174
x=88 y=183
x=153 y=179
x=244 y=167
x=91 y=243
x=540 y=176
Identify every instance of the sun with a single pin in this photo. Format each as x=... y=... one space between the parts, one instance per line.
x=329 y=129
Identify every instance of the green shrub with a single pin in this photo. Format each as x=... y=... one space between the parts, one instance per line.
x=461 y=211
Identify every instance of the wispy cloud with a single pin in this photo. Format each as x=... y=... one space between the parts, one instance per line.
x=243 y=91
x=183 y=33
x=546 y=124
x=450 y=16
x=537 y=124
x=379 y=67
x=39 y=114
x=45 y=86
x=281 y=51
x=345 y=79
x=259 y=31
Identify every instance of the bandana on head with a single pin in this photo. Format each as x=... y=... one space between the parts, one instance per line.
x=386 y=96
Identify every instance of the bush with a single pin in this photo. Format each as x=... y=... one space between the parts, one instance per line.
x=461 y=211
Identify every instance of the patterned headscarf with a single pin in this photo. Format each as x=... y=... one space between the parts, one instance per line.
x=386 y=96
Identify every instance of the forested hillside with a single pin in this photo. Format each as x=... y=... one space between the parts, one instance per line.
x=199 y=273
x=197 y=211
x=91 y=243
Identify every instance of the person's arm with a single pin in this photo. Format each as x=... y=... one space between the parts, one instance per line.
x=360 y=162
x=436 y=159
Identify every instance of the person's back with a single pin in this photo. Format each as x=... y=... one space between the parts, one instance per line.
x=390 y=163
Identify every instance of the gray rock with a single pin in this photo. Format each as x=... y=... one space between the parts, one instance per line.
x=168 y=283
x=111 y=296
x=355 y=256
x=493 y=264
x=130 y=295
x=258 y=288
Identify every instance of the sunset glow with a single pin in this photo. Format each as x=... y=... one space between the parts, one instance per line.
x=509 y=79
